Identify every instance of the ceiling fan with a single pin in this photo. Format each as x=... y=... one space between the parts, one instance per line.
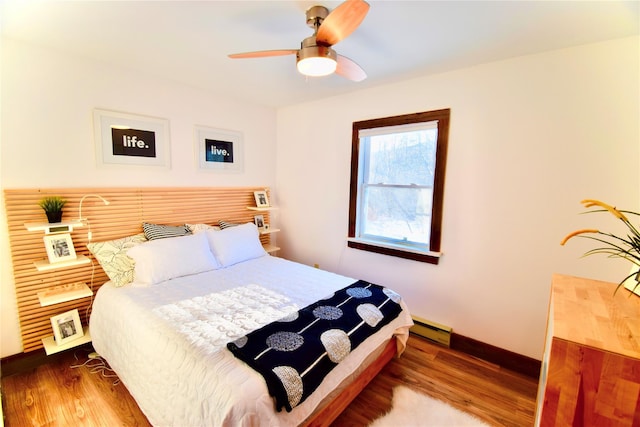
x=316 y=56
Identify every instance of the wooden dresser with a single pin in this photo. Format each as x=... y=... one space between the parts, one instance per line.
x=590 y=373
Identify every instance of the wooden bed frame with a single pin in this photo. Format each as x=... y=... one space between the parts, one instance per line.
x=128 y=208
x=331 y=410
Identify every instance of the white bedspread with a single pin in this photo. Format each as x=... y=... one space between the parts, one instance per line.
x=167 y=342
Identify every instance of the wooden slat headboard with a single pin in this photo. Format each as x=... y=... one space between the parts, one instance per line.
x=128 y=208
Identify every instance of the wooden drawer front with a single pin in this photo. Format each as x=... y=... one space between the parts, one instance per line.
x=590 y=387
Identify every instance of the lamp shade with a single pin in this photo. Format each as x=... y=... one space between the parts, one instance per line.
x=316 y=61
x=316 y=67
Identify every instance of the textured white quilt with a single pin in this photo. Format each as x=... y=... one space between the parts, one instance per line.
x=167 y=342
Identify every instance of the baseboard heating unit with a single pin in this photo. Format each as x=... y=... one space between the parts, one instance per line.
x=432 y=331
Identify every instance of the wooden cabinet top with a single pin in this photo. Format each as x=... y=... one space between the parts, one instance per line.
x=587 y=312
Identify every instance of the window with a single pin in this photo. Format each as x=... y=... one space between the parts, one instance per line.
x=397 y=185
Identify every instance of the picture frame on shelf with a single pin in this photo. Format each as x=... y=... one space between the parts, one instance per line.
x=262 y=201
x=59 y=247
x=131 y=139
x=259 y=221
x=67 y=327
x=219 y=149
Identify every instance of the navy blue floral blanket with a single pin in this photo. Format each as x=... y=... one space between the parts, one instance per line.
x=295 y=353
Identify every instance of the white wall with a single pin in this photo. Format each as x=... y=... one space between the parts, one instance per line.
x=529 y=138
x=47 y=136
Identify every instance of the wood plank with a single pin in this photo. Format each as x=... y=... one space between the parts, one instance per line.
x=58 y=395
x=332 y=410
x=505 y=358
x=606 y=321
x=490 y=392
x=55 y=394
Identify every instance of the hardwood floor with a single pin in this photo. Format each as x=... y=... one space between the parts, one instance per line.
x=55 y=394
x=497 y=396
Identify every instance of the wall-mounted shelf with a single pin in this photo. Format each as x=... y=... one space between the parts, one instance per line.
x=64 y=293
x=269 y=230
x=45 y=265
x=269 y=208
x=50 y=346
x=267 y=246
x=53 y=227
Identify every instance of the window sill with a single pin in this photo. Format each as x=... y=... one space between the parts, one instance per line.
x=394 y=250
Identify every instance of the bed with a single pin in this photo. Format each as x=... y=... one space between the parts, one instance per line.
x=166 y=332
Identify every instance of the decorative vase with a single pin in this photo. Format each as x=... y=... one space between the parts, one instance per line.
x=55 y=216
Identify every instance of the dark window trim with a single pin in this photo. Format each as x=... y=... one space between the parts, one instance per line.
x=442 y=116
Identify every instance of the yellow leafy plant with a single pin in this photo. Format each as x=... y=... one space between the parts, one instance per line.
x=627 y=247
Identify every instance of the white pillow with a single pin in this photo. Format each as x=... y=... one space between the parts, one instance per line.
x=236 y=244
x=164 y=259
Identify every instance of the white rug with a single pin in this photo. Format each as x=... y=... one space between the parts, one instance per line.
x=413 y=409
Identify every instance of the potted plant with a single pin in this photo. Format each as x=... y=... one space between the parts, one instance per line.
x=627 y=247
x=52 y=206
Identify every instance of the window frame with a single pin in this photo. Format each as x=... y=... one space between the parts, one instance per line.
x=433 y=256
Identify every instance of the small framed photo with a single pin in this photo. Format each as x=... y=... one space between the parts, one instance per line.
x=59 y=247
x=67 y=327
x=219 y=149
x=261 y=199
x=259 y=221
x=131 y=139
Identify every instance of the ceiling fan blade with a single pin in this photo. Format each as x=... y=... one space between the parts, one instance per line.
x=342 y=21
x=264 y=53
x=349 y=69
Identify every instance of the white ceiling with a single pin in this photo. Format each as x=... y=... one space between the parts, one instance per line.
x=188 y=41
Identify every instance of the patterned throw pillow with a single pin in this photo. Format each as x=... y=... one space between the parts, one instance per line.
x=198 y=228
x=157 y=231
x=112 y=256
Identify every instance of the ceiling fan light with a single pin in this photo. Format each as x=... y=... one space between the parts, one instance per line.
x=316 y=66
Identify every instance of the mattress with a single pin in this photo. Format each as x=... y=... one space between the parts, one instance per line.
x=167 y=342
